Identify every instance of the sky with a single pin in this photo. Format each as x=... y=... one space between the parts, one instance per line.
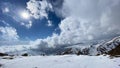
x=13 y=17
x=51 y=23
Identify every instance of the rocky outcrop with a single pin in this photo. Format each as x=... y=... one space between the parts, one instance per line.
x=25 y=54
x=115 y=51
x=3 y=54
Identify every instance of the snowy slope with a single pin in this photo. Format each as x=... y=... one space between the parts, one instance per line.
x=101 y=48
x=66 y=61
x=106 y=47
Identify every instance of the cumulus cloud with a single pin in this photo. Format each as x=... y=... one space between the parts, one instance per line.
x=84 y=21
x=46 y=43
x=38 y=9
x=8 y=34
x=91 y=19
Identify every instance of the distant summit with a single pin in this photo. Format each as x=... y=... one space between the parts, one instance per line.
x=111 y=47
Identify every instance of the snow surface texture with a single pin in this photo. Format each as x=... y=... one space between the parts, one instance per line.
x=66 y=61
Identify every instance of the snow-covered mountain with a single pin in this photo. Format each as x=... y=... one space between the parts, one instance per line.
x=101 y=48
x=110 y=45
x=79 y=49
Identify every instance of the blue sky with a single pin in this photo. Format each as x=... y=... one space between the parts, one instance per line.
x=39 y=29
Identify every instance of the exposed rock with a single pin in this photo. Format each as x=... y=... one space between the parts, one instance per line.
x=3 y=54
x=0 y=65
x=25 y=54
x=115 y=51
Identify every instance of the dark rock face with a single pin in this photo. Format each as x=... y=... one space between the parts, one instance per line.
x=85 y=51
x=25 y=54
x=0 y=65
x=115 y=51
x=3 y=54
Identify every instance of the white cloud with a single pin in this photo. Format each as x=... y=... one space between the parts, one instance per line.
x=90 y=19
x=8 y=34
x=27 y=24
x=46 y=43
x=49 y=24
x=38 y=8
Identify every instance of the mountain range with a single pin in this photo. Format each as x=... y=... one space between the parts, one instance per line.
x=111 y=47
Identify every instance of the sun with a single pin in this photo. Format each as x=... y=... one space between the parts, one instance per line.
x=25 y=15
